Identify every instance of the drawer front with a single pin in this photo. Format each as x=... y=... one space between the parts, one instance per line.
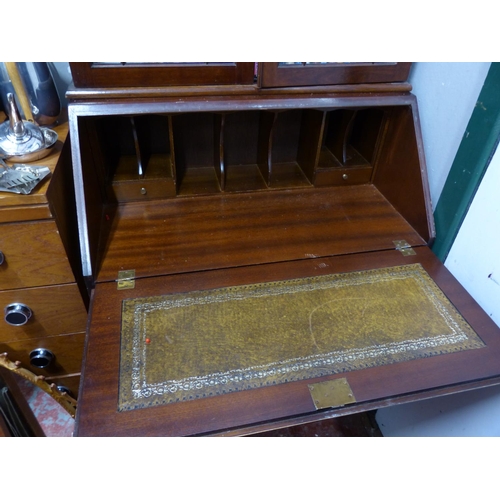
x=32 y=255
x=45 y=312
x=67 y=351
x=69 y=382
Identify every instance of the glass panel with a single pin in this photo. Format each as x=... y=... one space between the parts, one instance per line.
x=334 y=63
x=124 y=64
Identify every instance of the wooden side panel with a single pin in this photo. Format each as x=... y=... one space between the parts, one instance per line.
x=94 y=179
x=400 y=171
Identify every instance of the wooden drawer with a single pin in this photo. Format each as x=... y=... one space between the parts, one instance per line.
x=71 y=382
x=67 y=349
x=55 y=310
x=33 y=256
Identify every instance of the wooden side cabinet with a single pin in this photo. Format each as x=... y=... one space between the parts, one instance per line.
x=43 y=310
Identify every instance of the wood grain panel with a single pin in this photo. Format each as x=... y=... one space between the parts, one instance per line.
x=400 y=164
x=184 y=235
x=34 y=256
x=93 y=94
x=24 y=213
x=56 y=310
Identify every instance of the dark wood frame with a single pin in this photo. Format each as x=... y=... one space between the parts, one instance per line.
x=271 y=74
x=93 y=75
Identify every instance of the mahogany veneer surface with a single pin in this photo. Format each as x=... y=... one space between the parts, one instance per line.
x=213 y=232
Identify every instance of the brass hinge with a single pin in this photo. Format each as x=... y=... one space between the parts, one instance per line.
x=331 y=394
x=404 y=247
x=126 y=280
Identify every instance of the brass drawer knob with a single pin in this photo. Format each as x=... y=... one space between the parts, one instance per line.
x=17 y=314
x=41 y=358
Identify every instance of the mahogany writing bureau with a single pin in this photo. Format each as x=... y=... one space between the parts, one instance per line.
x=257 y=253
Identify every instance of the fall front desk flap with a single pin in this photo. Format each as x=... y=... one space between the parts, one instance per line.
x=204 y=343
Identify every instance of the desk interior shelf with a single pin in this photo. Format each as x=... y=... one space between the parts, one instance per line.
x=200 y=153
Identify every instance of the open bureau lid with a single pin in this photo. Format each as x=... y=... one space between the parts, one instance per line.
x=317 y=338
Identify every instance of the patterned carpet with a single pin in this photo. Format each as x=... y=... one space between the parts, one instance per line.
x=54 y=421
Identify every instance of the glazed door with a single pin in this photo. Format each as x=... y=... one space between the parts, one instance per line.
x=160 y=74
x=291 y=74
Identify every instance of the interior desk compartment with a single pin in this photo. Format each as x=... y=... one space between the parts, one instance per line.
x=197 y=164
x=349 y=146
x=293 y=139
x=136 y=156
x=243 y=150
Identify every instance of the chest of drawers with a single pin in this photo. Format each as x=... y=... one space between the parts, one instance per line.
x=43 y=310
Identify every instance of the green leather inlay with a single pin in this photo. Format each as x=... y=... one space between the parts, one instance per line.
x=203 y=343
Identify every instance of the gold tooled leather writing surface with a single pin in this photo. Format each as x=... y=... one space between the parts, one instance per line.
x=203 y=343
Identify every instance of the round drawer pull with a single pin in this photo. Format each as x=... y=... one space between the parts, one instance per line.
x=2 y=258
x=41 y=358
x=17 y=314
x=64 y=389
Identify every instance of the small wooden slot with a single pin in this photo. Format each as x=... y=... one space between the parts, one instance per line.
x=194 y=137
x=137 y=156
x=241 y=151
x=349 y=146
x=288 y=154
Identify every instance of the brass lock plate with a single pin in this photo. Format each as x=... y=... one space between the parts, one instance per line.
x=331 y=394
